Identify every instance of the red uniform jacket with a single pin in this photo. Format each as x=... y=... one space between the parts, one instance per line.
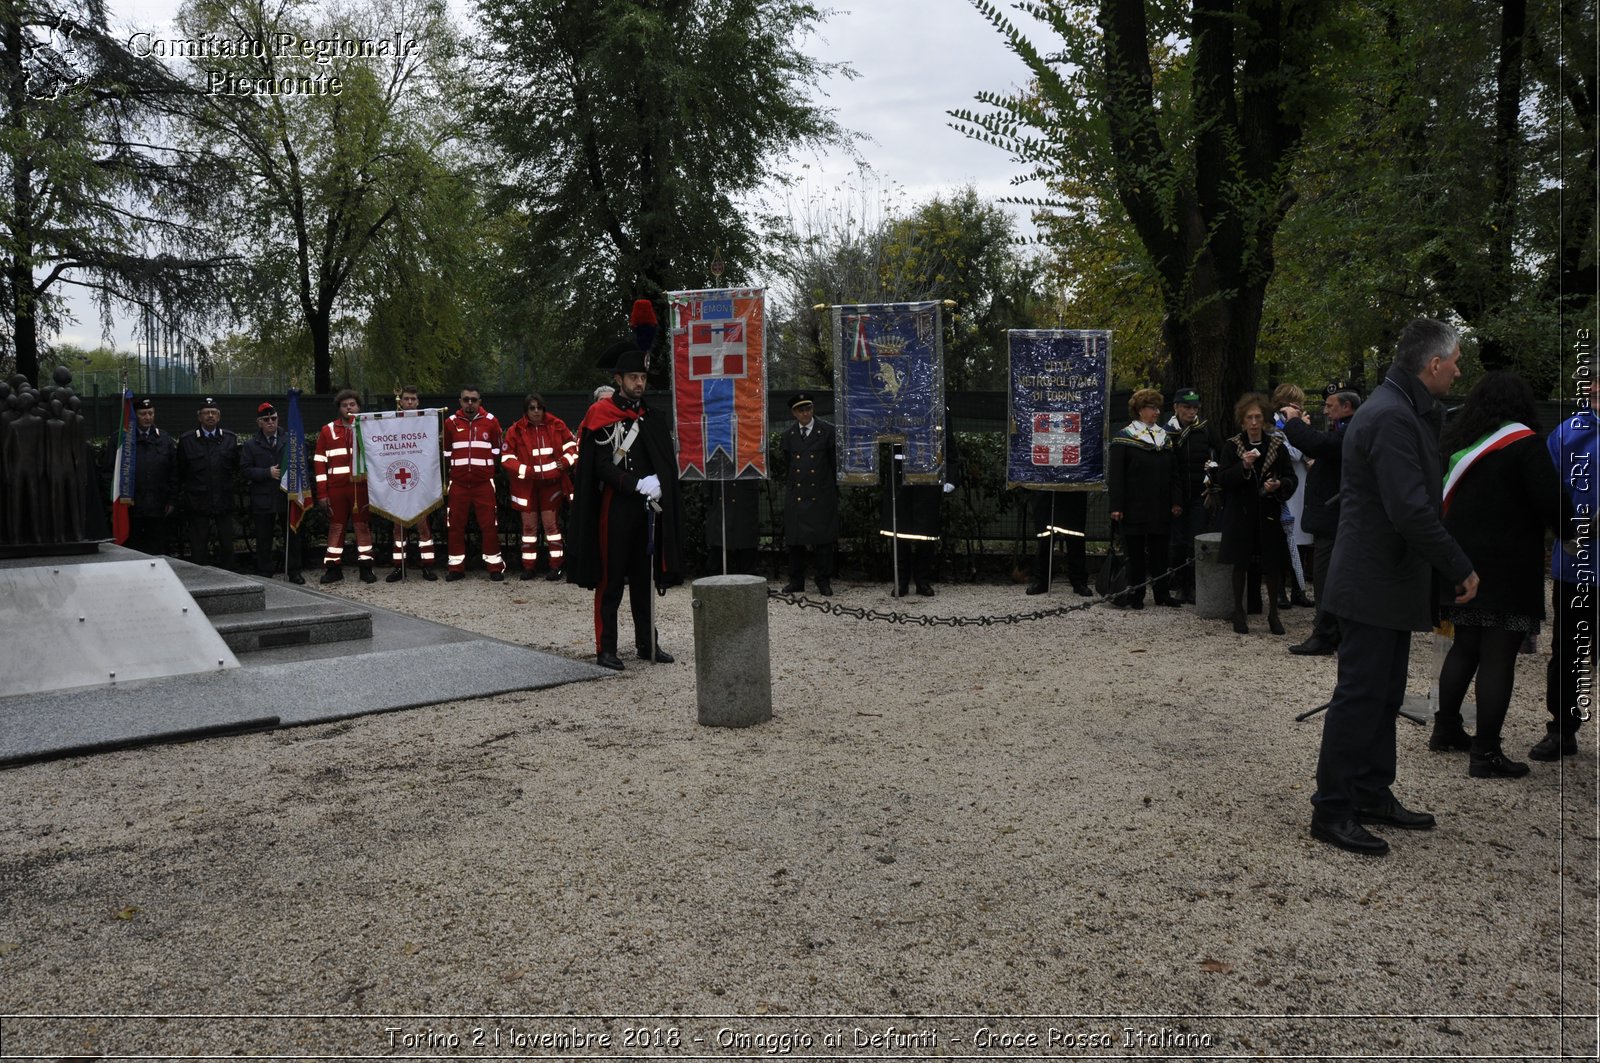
x=472 y=446
x=333 y=461
x=538 y=456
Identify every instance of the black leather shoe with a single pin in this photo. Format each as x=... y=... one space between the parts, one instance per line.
x=608 y=660
x=1274 y=625
x=793 y=587
x=332 y=574
x=428 y=575
x=1315 y=646
x=1495 y=765
x=555 y=576
x=1392 y=813
x=295 y=577
x=1554 y=747
x=1170 y=602
x=1349 y=835
x=662 y=656
x=1240 y=625
x=497 y=577
x=527 y=574
x=1299 y=598
x=1036 y=588
x=1449 y=737
x=901 y=592
x=924 y=590
x=1082 y=590
x=825 y=588
x=367 y=575
x=452 y=577
x=396 y=576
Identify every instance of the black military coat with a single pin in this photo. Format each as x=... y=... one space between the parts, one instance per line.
x=155 y=473
x=209 y=470
x=257 y=458
x=811 y=498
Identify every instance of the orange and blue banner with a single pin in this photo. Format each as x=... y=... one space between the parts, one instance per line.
x=719 y=383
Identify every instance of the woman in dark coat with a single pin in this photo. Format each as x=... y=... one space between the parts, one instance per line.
x=1256 y=476
x=1145 y=491
x=1501 y=494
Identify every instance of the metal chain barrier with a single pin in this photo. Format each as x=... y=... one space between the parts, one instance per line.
x=856 y=612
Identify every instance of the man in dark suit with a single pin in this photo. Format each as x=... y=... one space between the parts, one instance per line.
x=208 y=466
x=1380 y=586
x=261 y=460
x=155 y=483
x=1321 y=514
x=811 y=497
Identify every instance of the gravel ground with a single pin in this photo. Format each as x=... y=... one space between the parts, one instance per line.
x=1080 y=836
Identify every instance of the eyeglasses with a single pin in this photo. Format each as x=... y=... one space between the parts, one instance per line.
x=469 y=399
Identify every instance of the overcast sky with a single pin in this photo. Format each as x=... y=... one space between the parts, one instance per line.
x=914 y=60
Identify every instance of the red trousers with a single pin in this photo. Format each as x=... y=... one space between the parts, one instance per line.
x=347 y=504
x=475 y=500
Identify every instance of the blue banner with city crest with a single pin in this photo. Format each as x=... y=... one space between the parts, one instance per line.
x=888 y=379
x=1056 y=436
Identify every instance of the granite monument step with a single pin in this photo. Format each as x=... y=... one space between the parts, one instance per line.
x=293 y=625
x=218 y=592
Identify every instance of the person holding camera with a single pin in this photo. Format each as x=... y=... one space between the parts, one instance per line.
x=1256 y=476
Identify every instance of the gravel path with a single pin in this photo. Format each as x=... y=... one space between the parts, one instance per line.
x=1083 y=836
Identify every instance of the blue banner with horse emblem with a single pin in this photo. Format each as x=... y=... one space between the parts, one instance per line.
x=888 y=379
x=1056 y=434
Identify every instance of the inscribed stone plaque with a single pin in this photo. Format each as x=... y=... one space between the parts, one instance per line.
x=99 y=624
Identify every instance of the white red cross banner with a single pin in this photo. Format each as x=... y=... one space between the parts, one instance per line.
x=719 y=383
x=401 y=452
x=1057 y=426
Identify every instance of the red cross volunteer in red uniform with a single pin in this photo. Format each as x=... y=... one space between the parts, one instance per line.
x=340 y=493
x=471 y=443
x=537 y=453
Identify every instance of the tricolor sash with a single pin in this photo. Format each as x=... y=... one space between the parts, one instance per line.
x=1464 y=459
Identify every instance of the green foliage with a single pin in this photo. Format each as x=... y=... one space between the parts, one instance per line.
x=98 y=190
x=631 y=134
x=343 y=179
x=956 y=247
x=1177 y=125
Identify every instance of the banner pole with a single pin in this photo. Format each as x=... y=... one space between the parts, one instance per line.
x=1050 y=558
x=894 y=515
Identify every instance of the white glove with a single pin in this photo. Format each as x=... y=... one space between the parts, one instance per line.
x=650 y=487
x=949 y=487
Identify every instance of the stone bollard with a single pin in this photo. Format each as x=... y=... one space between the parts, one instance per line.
x=732 y=653
x=1213 y=581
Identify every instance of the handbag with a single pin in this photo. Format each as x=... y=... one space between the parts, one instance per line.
x=1113 y=575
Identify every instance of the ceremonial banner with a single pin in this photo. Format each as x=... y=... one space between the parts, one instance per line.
x=295 y=479
x=403 y=466
x=719 y=383
x=122 y=472
x=888 y=379
x=1056 y=434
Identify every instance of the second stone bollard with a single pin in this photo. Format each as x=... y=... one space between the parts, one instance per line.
x=732 y=653
x=1213 y=581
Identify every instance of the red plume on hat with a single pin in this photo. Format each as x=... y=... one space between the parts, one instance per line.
x=643 y=322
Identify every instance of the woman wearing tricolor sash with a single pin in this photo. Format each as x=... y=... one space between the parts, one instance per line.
x=1501 y=494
